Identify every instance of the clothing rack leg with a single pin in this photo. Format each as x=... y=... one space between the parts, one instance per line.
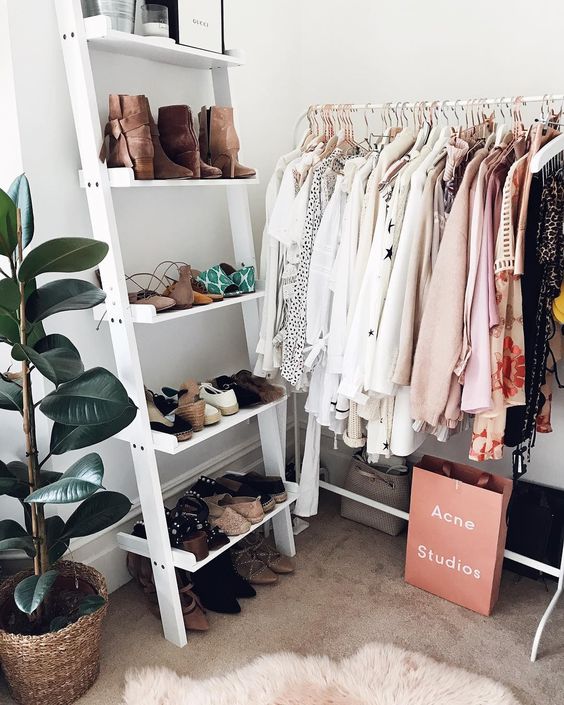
x=549 y=610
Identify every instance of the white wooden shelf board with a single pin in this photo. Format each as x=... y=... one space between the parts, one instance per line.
x=186 y=560
x=122 y=177
x=102 y=37
x=145 y=313
x=167 y=443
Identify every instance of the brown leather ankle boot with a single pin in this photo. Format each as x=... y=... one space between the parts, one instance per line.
x=164 y=167
x=130 y=136
x=224 y=143
x=178 y=139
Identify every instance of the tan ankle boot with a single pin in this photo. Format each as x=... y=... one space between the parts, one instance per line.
x=223 y=142
x=130 y=136
x=179 y=141
x=164 y=167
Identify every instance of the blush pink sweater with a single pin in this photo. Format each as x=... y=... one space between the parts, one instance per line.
x=440 y=337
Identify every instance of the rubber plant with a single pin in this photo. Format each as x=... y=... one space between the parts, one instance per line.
x=85 y=406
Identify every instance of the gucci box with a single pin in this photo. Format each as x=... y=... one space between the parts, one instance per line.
x=197 y=23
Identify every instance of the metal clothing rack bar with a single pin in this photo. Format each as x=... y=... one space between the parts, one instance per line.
x=517 y=101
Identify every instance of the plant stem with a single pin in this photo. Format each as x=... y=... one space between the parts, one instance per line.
x=40 y=563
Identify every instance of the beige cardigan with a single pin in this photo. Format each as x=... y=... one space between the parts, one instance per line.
x=440 y=336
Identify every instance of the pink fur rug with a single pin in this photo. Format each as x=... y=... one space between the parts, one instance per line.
x=376 y=675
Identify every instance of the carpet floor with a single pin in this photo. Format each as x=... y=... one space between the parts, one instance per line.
x=348 y=590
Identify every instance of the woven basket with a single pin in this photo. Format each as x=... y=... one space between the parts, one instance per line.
x=194 y=412
x=57 y=668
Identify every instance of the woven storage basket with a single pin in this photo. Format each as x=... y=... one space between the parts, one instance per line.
x=194 y=412
x=375 y=482
x=57 y=668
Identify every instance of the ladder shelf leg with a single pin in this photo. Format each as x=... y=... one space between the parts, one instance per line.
x=101 y=207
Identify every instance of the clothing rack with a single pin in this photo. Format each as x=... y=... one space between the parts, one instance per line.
x=515 y=102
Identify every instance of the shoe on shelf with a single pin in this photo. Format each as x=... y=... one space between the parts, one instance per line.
x=244 y=278
x=214 y=588
x=190 y=406
x=246 y=398
x=219 y=142
x=181 y=290
x=208 y=486
x=180 y=428
x=264 y=551
x=212 y=415
x=226 y=518
x=164 y=167
x=223 y=400
x=238 y=488
x=248 y=507
x=217 y=282
x=180 y=143
x=267 y=391
x=273 y=485
x=129 y=133
x=185 y=534
x=200 y=288
x=251 y=568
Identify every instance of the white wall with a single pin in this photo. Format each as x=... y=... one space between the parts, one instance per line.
x=297 y=53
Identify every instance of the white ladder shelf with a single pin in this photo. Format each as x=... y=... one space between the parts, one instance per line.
x=78 y=36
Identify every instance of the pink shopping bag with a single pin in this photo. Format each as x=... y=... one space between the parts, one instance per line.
x=457 y=531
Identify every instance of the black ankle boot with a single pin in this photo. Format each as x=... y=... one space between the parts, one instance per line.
x=214 y=586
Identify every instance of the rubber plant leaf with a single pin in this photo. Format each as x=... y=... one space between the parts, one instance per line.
x=66 y=438
x=57 y=365
x=9 y=330
x=11 y=396
x=62 y=295
x=15 y=537
x=31 y=592
x=81 y=480
x=95 y=397
x=91 y=604
x=56 y=545
x=8 y=225
x=62 y=254
x=97 y=513
x=20 y=194
x=9 y=297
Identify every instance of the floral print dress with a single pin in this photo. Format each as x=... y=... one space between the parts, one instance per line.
x=507 y=339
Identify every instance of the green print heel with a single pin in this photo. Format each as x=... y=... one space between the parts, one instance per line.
x=244 y=278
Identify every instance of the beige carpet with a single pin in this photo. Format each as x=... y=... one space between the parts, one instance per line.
x=348 y=591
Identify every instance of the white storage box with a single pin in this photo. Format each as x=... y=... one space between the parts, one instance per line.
x=197 y=23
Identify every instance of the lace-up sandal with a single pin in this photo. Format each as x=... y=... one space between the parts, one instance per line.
x=248 y=507
x=250 y=568
x=190 y=407
x=260 y=483
x=223 y=400
x=262 y=549
x=226 y=519
x=180 y=428
x=244 y=278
